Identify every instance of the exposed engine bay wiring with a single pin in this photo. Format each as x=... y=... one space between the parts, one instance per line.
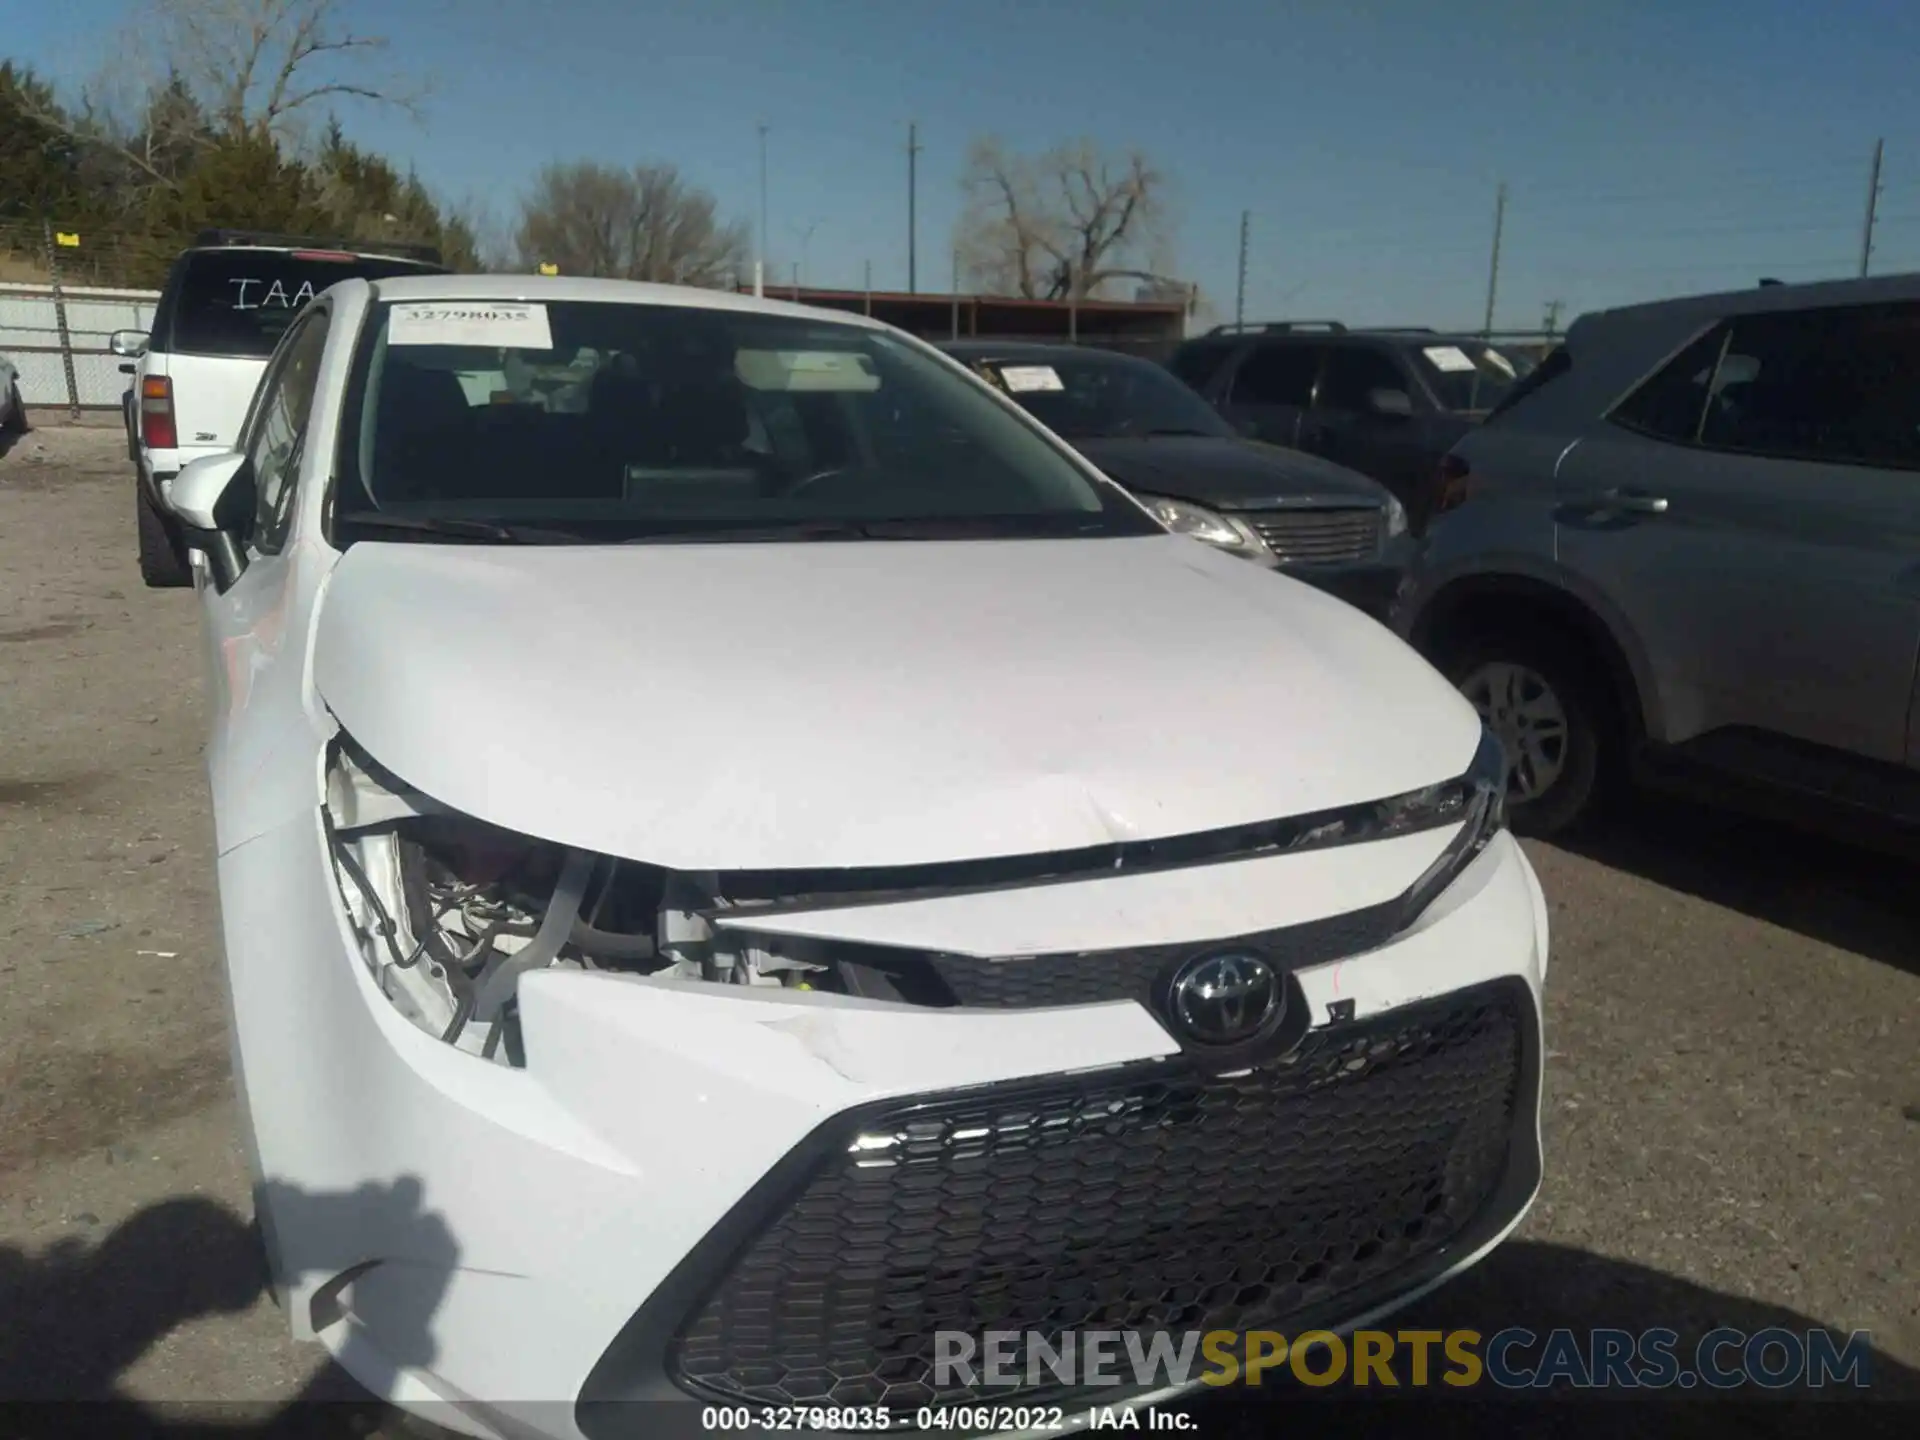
x=451 y=912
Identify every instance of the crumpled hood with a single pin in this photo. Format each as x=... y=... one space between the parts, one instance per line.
x=1225 y=472
x=825 y=704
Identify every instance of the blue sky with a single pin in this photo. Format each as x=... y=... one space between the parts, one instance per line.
x=1649 y=148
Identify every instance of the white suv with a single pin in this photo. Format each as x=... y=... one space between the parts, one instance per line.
x=225 y=303
x=731 y=881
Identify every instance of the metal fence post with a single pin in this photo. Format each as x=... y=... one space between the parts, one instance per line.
x=60 y=321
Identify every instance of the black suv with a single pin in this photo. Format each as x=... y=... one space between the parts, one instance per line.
x=1316 y=521
x=1388 y=403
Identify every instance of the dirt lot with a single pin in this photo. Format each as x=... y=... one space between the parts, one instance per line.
x=1733 y=1114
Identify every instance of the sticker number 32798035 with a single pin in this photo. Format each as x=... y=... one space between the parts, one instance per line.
x=469 y=322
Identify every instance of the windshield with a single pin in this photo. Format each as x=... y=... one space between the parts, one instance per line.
x=1096 y=396
x=1471 y=375
x=628 y=421
x=237 y=302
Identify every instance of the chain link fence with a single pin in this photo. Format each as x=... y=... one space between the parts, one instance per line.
x=62 y=294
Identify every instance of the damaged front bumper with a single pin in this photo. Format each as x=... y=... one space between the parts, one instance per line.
x=720 y=1192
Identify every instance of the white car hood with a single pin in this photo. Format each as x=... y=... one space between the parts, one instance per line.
x=866 y=703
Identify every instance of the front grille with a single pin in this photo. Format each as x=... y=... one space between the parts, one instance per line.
x=1173 y=1200
x=1134 y=974
x=1320 y=536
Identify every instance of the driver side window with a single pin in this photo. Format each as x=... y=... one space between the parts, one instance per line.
x=277 y=437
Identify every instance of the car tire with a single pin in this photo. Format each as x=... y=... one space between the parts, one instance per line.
x=1548 y=702
x=163 y=553
x=15 y=422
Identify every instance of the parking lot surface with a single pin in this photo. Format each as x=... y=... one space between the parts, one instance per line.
x=1733 y=1086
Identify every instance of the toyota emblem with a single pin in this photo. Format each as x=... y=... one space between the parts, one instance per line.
x=1226 y=997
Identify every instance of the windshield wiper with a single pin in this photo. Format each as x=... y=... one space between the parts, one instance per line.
x=455 y=528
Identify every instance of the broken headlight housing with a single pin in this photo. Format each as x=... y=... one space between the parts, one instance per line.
x=448 y=911
x=1479 y=798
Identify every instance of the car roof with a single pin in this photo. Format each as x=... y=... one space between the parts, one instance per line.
x=1763 y=299
x=1405 y=335
x=560 y=288
x=1037 y=350
x=431 y=265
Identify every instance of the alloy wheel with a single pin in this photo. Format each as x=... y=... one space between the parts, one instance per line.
x=1523 y=711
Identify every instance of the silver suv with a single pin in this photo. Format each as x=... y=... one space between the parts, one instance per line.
x=1690 y=539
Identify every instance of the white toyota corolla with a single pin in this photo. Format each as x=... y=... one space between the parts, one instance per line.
x=739 y=853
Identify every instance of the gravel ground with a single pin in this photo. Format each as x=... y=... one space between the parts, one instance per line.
x=1733 y=1096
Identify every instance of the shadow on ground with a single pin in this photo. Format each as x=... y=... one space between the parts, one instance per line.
x=76 y=1317
x=1855 y=893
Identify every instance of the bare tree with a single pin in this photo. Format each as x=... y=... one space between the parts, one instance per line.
x=188 y=73
x=647 y=223
x=1064 y=224
x=260 y=66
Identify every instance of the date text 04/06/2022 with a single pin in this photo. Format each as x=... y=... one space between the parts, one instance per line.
x=933 y=1419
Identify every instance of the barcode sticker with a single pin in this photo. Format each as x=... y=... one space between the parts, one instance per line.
x=469 y=322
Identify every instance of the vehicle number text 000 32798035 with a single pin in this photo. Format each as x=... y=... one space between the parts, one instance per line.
x=960 y=1419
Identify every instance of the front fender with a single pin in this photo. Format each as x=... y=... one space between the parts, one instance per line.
x=1441 y=584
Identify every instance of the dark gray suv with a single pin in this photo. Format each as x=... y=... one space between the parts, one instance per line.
x=1387 y=403
x=1691 y=539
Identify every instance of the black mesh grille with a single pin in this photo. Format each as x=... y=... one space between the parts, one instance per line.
x=1319 y=536
x=1177 y=1201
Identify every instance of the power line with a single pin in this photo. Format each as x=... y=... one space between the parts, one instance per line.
x=1737 y=177
x=1837 y=267
x=1528 y=236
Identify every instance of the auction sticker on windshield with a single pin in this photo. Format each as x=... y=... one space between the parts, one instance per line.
x=469 y=322
x=1020 y=379
x=1448 y=357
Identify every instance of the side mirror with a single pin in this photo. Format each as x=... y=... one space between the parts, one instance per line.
x=1396 y=403
x=128 y=344
x=204 y=495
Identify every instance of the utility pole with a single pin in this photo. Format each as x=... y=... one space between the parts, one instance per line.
x=1493 y=272
x=1240 y=289
x=913 y=201
x=805 y=232
x=956 y=294
x=1873 y=206
x=1551 y=322
x=760 y=261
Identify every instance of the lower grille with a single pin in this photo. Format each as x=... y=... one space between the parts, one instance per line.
x=1320 y=536
x=1169 y=1199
